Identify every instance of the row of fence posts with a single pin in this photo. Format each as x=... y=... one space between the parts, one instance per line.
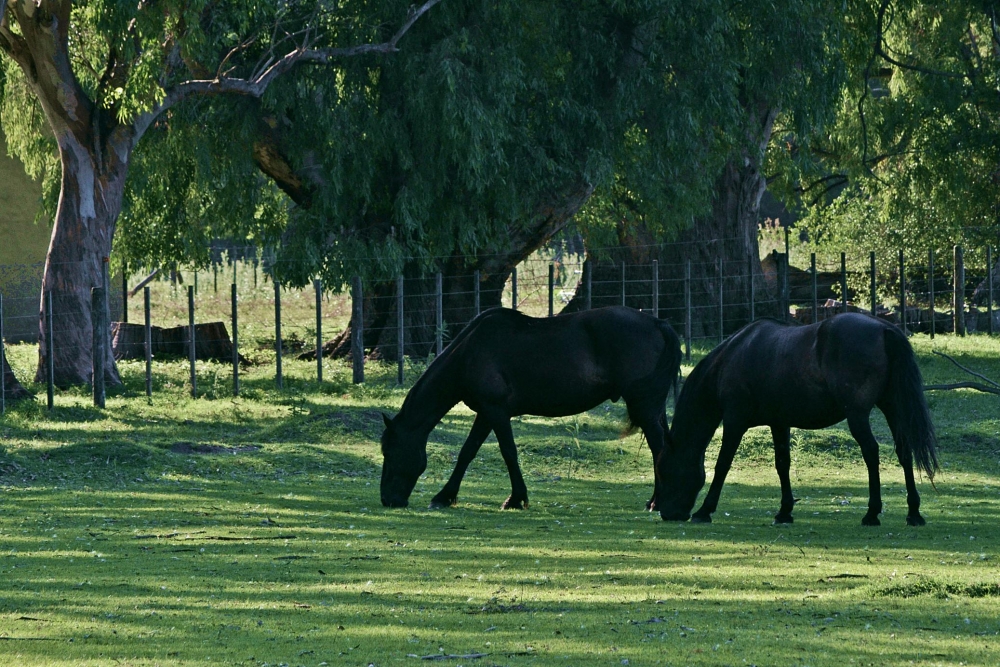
x=99 y=311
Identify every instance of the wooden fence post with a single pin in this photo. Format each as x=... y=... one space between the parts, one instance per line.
x=357 y=330
x=902 y=291
x=989 y=288
x=874 y=294
x=930 y=283
x=958 y=301
x=783 y=286
x=318 y=286
x=97 y=310
x=279 y=376
x=552 y=288
x=843 y=279
x=687 y=310
x=438 y=315
x=400 y=330
x=124 y=294
x=656 y=287
x=588 y=294
x=623 y=283
x=513 y=288
x=50 y=366
x=475 y=292
x=722 y=320
x=191 y=342
x=752 y=288
x=815 y=288
x=147 y=339
x=236 y=340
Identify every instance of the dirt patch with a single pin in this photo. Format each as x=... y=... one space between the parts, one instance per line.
x=195 y=448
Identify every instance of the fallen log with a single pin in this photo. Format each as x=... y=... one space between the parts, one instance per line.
x=963 y=385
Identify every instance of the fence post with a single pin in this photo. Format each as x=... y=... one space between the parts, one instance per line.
x=552 y=287
x=959 y=297
x=843 y=279
x=400 y=330
x=97 y=304
x=687 y=310
x=752 y=289
x=874 y=294
x=191 y=342
x=215 y=277
x=783 y=285
x=902 y=291
x=279 y=376
x=815 y=289
x=930 y=283
x=357 y=330
x=236 y=340
x=513 y=288
x=124 y=293
x=588 y=294
x=318 y=286
x=721 y=297
x=3 y=365
x=148 y=340
x=475 y=293
x=656 y=287
x=989 y=288
x=438 y=314
x=50 y=364
x=623 y=283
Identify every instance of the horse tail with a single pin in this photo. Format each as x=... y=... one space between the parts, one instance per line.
x=913 y=428
x=667 y=370
x=670 y=360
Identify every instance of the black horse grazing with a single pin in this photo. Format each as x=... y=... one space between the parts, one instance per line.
x=771 y=374
x=506 y=364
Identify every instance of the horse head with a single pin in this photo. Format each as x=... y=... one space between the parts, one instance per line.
x=680 y=477
x=404 y=459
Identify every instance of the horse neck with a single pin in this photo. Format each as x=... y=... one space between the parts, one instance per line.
x=430 y=399
x=697 y=415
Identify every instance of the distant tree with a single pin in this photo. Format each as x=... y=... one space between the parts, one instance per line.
x=86 y=81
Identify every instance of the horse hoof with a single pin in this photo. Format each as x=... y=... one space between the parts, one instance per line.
x=701 y=518
x=511 y=504
x=783 y=518
x=915 y=520
x=870 y=521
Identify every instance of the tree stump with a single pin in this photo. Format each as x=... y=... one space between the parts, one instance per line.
x=211 y=341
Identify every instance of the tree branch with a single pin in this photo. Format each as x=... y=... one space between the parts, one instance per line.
x=962 y=385
x=257 y=84
x=970 y=372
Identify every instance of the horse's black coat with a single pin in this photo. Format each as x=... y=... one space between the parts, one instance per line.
x=772 y=374
x=506 y=364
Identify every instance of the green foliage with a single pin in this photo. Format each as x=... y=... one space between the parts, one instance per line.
x=915 y=139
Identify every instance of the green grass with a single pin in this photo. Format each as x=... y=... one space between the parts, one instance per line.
x=249 y=532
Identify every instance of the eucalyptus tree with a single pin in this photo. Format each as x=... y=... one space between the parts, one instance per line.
x=86 y=81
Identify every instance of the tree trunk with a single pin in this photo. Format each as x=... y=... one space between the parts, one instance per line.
x=728 y=234
x=89 y=202
x=12 y=388
x=419 y=305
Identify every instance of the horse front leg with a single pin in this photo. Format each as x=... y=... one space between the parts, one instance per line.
x=731 y=437
x=518 y=498
x=447 y=496
x=782 y=462
x=862 y=432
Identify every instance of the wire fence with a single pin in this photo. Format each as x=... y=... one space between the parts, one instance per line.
x=235 y=313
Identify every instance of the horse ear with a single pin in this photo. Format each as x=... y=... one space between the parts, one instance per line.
x=387 y=419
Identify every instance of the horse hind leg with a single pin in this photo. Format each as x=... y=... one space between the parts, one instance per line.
x=782 y=463
x=447 y=496
x=862 y=431
x=905 y=457
x=654 y=431
x=518 y=498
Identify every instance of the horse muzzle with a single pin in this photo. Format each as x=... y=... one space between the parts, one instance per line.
x=674 y=515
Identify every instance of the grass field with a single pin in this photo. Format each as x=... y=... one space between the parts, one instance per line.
x=250 y=532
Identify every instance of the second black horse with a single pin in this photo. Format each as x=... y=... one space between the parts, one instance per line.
x=505 y=363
